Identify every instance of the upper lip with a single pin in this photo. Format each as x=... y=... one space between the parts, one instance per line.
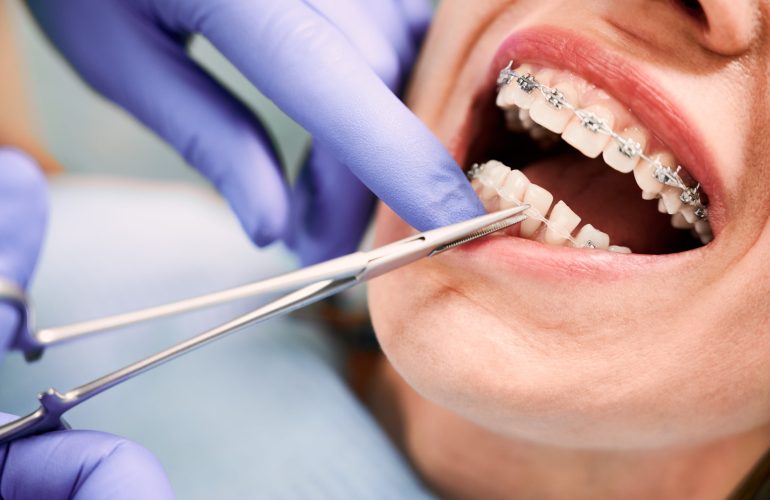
x=627 y=82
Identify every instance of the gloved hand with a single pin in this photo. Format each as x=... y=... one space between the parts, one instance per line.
x=65 y=464
x=23 y=216
x=327 y=63
x=82 y=465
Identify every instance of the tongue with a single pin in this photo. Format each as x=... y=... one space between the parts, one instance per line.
x=610 y=201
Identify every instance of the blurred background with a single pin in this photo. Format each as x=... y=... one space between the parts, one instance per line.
x=87 y=134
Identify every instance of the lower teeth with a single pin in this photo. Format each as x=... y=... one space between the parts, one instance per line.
x=496 y=184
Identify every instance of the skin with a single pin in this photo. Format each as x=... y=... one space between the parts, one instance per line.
x=654 y=385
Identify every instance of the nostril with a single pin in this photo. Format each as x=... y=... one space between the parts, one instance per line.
x=694 y=9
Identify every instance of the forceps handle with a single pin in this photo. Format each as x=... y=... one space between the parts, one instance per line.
x=340 y=268
x=54 y=404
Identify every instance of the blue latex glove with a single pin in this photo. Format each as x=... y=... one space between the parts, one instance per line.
x=329 y=64
x=65 y=464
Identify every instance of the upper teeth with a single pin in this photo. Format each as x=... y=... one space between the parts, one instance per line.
x=537 y=99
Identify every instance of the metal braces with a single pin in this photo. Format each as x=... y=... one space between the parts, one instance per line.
x=628 y=147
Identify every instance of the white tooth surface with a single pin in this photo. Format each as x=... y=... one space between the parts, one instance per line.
x=671 y=201
x=493 y=175
x=540 y=201
x=520 y=98
x=477 y=185
x=702 y=227
x=662 y=206
x=561 y=222
x=679 y=222
x=525 y=119
x=650 y=196
x=505 y=98
x=643 y=173
x=588 y=233
x=589 y=143
x=619 y=249
x=553 y=119
x=514 y=187
x=617 y=160
x=689 y=214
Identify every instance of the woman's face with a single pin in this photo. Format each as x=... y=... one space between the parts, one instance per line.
x=586 y=347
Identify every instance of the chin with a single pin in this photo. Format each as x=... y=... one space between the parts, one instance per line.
x=623 y=313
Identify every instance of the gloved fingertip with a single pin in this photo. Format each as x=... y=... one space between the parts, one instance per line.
x=266 y=225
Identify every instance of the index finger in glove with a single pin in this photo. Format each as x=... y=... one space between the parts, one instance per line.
x=308 y=68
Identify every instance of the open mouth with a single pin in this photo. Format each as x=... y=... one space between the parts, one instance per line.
x=594 y=175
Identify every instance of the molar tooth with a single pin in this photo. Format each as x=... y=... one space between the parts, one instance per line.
x=619 y=161
x=540 y=201
x=688 y=213
x=513 y=189
x=671 y=201
x=526 y=120
x=548 y=116
x=644 y=173
x=584 y=133
x=679 y=222
x=588 y=233
x=702 y=230
x=561 y=222
x=618 y=249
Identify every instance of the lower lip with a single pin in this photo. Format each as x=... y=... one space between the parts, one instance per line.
x=520 y=257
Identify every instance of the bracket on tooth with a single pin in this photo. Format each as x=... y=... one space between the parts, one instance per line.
x=507 y=75
x=690 y=196
x=629 y=147
x=593 y=122
x=665 y=175
x=527 y=83
x=702 y=213
x=474 y=171
x=589 y=244
x=554 y=97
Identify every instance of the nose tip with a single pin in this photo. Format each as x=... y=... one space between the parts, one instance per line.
x=731 y=27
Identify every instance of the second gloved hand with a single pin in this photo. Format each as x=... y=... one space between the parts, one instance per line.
x=329 y=64
x=65 y=464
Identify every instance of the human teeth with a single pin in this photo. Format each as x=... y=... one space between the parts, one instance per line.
x=589 y=236
x=583 y=134
x=689 y=214
x=561 y=223
x=551 y=115
x=513 y=188
x=493 y=176
x=540 y=201
x=618 y=249
x=555 y=104
x=703 y=230
x=671 y=201
x=514 y=95
x=678 y=221
x=644 y=174
x=636 y=141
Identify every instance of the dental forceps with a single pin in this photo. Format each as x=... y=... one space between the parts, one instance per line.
x=314 y=283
